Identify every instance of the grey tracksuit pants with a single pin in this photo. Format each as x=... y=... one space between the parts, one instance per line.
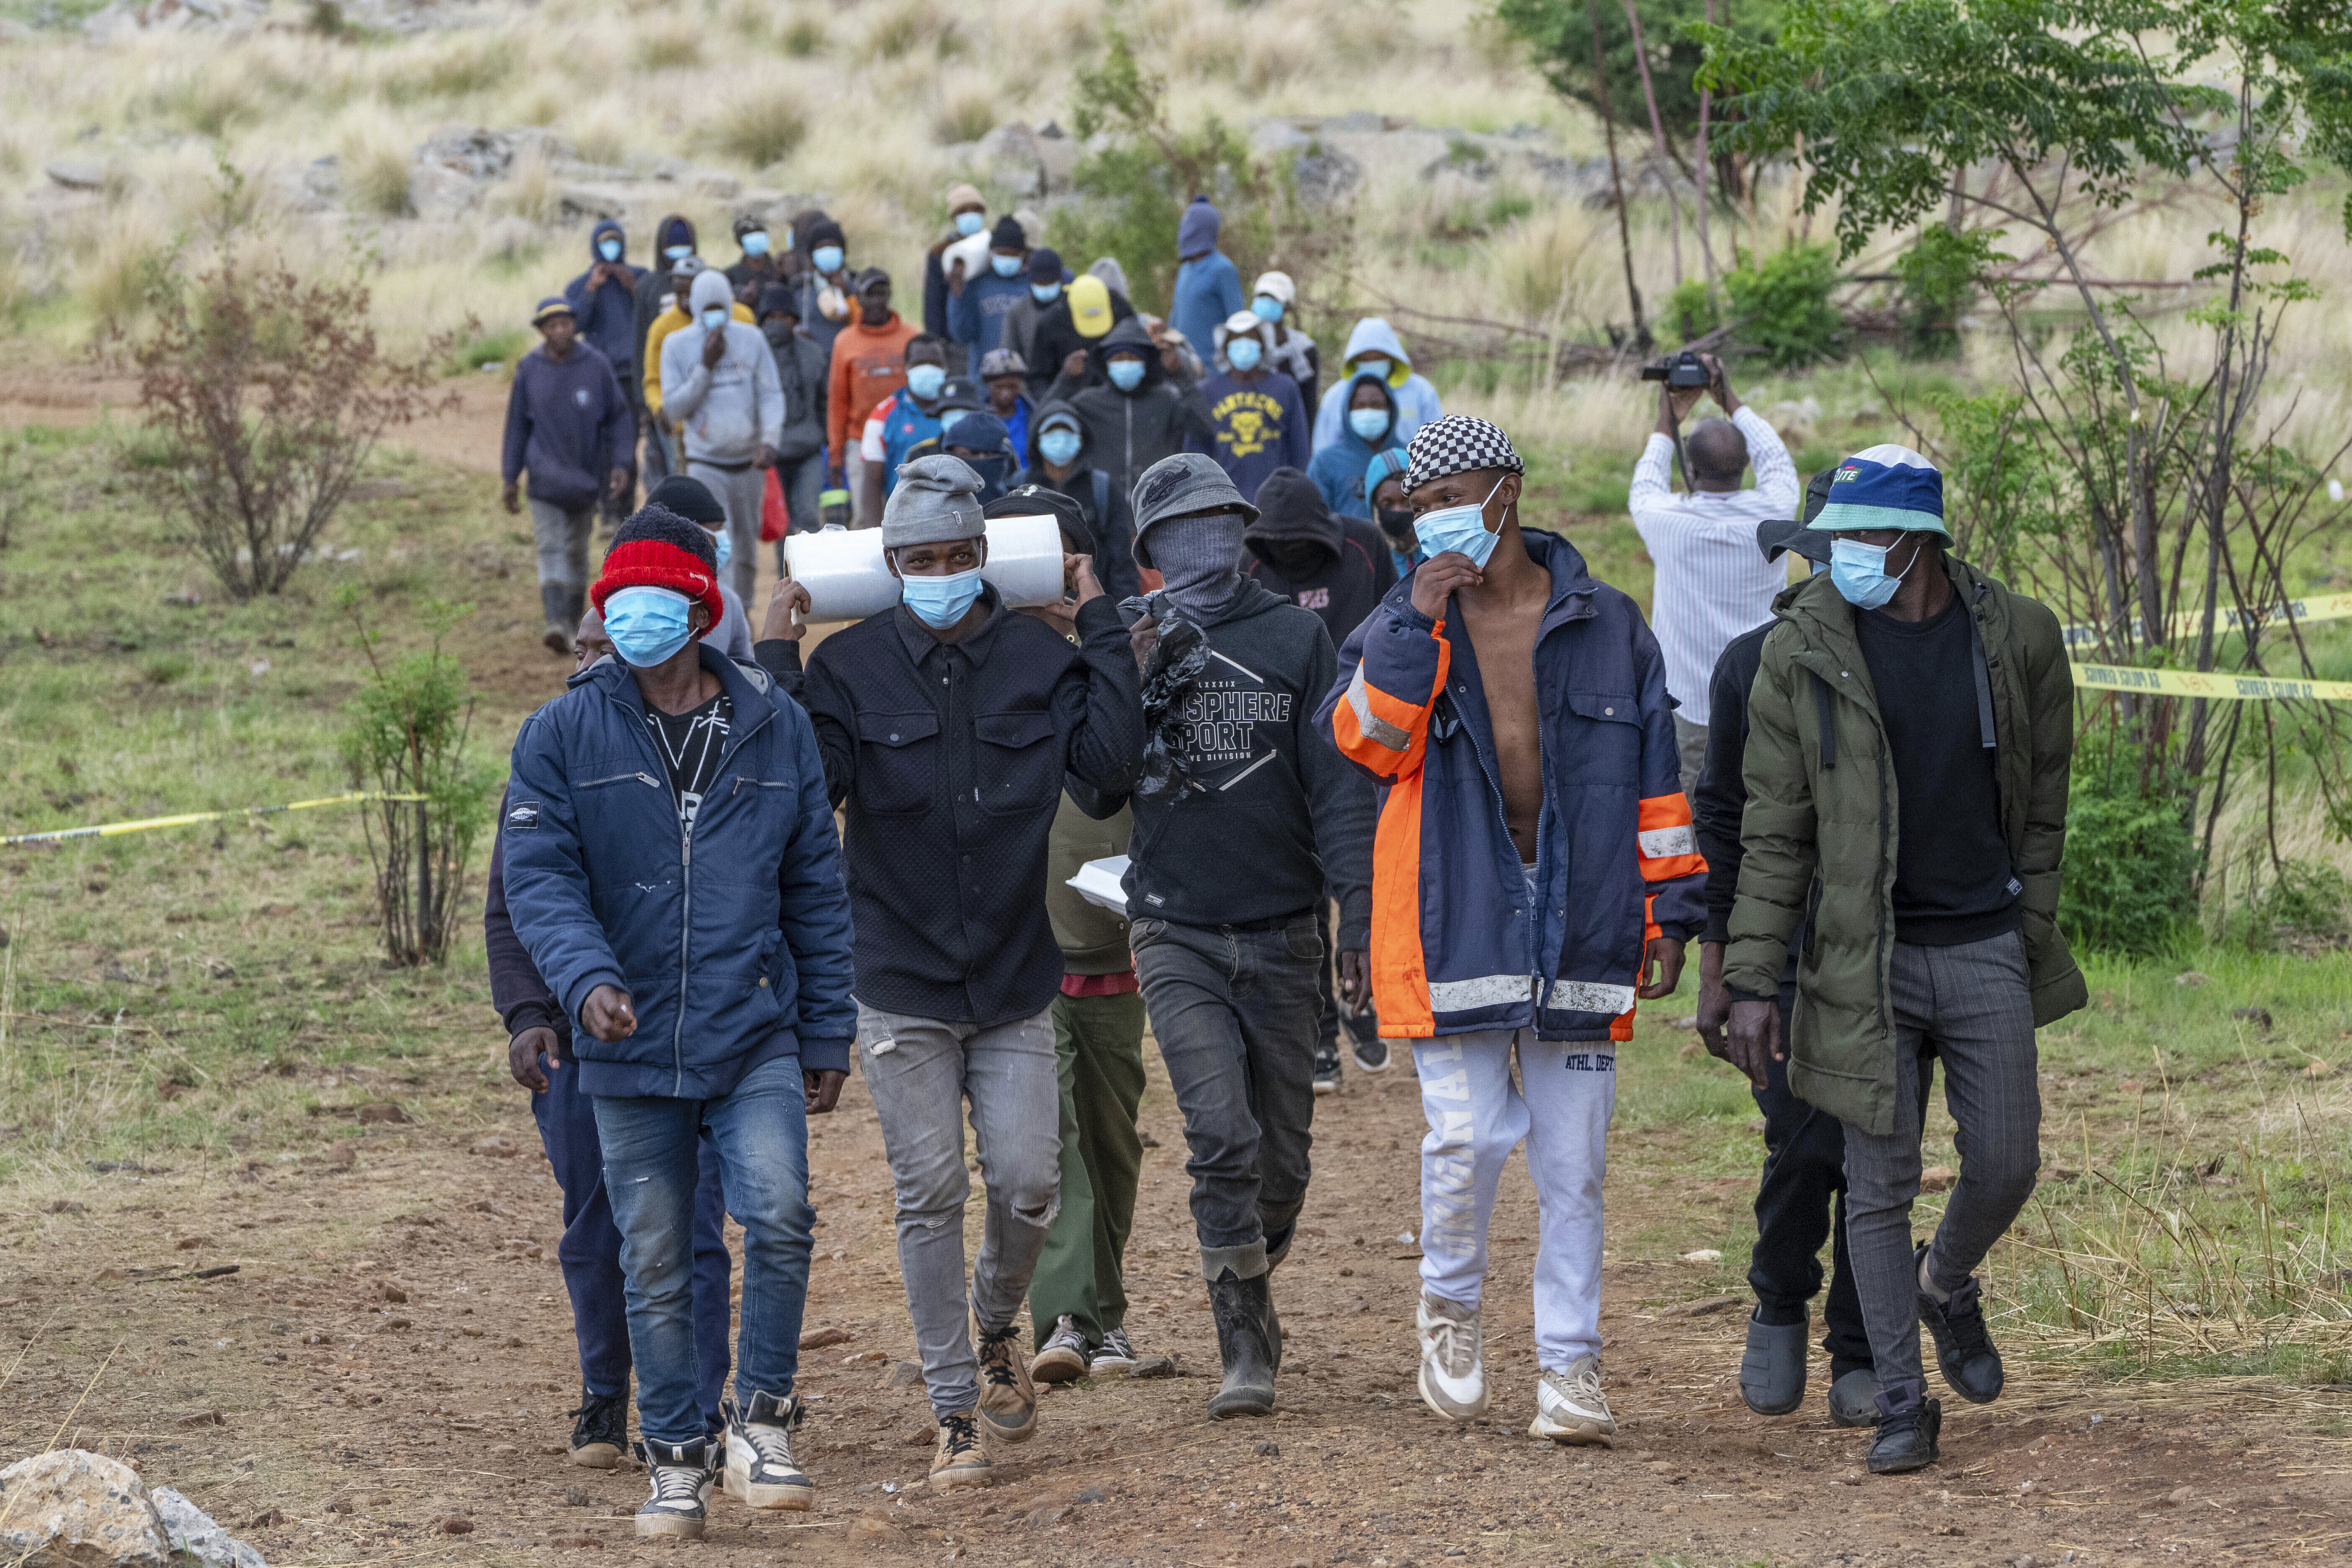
x=740 y=492
x=1970 y=1006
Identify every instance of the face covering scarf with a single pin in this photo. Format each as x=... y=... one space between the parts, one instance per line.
x=1199 y=561
x=1460 y=528
x=940 y=601
x=647 y=625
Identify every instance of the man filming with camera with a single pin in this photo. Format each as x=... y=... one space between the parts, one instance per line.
x=1712 y=582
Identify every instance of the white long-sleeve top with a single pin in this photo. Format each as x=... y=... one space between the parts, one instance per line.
x=1712 y=582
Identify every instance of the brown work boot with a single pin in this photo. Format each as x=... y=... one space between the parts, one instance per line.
x=961 y=1460
x=1008 y=1401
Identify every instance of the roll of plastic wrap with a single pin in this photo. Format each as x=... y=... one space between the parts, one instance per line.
x=847 y=580
x=1103 y=883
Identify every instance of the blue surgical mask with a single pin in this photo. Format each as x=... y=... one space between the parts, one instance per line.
x=1126 y=375
x=1368 y=424
x=647 y=625
x=726 y=543
x=1243 y=353
x=924 y=380
x=1045 y=293
x=610 y=249
x=1373 y=365
x=1006 y=266
x=1858 y=572
x=940 y=601
x=755 y=243
x=827 y=257
x=970 y=223
x=714 y=318
x=1059 y=446
x=677 y=252
x=1267 y=308
x=1460 y=528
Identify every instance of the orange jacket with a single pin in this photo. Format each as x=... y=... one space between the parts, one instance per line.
x=869 y=364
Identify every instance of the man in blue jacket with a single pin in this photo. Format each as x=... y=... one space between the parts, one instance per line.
x=1207 y=286
x=1535 y=865
x=672 y=868
x=569 y=426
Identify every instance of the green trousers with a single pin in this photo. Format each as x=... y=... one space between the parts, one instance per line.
x=1099 y=1047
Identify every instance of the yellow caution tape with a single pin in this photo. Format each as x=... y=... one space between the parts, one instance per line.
x=2320 y=607
x=2217 y=685
x=107 y=830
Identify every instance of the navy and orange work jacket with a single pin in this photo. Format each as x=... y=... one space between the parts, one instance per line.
x=1457 y=945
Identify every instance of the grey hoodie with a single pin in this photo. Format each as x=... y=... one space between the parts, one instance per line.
x=730 y=410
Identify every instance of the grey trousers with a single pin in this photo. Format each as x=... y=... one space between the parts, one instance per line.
x=1969 y=1006
x=919 y=1072
x=562 y=539
x=1690 y=752
x=740 y=492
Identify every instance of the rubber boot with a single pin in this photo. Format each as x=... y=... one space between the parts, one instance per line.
x=575 y=607
x=1241 y=1306
x=554 y=598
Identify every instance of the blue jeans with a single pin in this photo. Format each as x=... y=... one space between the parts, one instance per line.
x=761 y=1132
x=590 y=1251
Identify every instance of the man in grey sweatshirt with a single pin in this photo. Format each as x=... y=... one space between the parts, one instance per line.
x=718 y=385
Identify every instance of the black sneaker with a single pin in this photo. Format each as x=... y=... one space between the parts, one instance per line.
x=1326 y=1069
x=1908 y=1424
x=1371 y=1054
x=1964 y=1349
x=600 y=1430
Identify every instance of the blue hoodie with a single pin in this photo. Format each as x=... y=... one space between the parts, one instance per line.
x=608 y=318
x=1416 y=399
x=1208 y=285
x=1337 y=470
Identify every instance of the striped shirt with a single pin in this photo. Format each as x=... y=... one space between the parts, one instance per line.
x=1712 y=582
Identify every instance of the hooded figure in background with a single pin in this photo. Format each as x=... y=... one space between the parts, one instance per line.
x=1061 y=460
x=1373 y=347
x=604 y=299
x=1207 y=286
x=1369 y=429
x=1134 y=412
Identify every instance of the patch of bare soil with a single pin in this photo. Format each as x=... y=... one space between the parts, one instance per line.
x=395 y=1352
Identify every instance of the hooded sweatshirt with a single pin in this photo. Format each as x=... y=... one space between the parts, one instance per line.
x=653 y=282
x=1103 y=503
x=730 y=410
x=1258 y=424
x=608 y=313
x=1280 y=822
x=1337 y=567
x=1208 y=285
x=1127 y=431
x=1338 y=467
x=675 y=319
x=1057 y=337
x=802 y=375
x=1416 y=399
x=869 y=364
x=568 y=426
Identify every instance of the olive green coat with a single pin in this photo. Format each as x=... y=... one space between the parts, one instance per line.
x=1819 y=841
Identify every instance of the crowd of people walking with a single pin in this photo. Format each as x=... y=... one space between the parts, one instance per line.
x=1389 y=769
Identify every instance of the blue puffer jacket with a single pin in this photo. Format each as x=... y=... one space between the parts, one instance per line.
x=731 y=939
x=1455 y=946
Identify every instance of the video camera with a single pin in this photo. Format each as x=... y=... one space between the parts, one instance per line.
x=1682 y=370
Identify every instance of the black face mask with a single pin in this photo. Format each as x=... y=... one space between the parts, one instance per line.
x=777 y=333
x=992 y=474
x=1396 y=522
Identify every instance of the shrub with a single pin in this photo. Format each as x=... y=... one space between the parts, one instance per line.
x=1782 y=307
x=407 y=736
x=374 y=169
x=2130 y=861
x=966 y=117
x=761 y=129
x=2306 y=904
x=1939 y=278
x=1688 y=315
x=802 y=36
x=670 y=48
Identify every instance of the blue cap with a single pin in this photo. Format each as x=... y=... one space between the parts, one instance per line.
x=1885 y=487
x=1391 y=460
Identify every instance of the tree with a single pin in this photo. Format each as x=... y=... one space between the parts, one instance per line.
x=1559 y=36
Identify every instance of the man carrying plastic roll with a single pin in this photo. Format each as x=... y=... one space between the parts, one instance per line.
x=671 y=867
x=1909 y=735
x=1244 y=819
x=1536 y=873
x=948 y=724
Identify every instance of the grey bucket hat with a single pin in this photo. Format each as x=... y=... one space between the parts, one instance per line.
x=1178 y=485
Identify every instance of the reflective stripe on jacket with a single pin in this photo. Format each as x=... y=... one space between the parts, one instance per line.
x=1455 y=946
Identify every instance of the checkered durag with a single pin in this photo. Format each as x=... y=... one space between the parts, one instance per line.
x=1457 y=444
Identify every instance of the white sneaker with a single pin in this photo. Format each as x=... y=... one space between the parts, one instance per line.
x=1116 y=1354
x=760 y=1472
x=681 y=1490
x=1570 y=1407
x=1063 y=1357
x=1453 y=1369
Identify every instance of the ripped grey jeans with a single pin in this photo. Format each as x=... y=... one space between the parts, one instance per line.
x=919 y=1072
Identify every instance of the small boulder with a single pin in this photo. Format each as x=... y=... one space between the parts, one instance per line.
x=193 y=1532
x=383 y=1112
x=72 y=1507
x=820 y=1339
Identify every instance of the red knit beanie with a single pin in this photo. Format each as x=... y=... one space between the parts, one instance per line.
x=656 y=548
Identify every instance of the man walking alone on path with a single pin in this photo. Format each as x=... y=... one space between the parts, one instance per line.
x=1517 y=712
x=1711 y=583
x=569 y=426
x=948 y=724
x=1909 y=736
x=716 y=1002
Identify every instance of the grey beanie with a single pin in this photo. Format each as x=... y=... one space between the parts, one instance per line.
x=937 y=499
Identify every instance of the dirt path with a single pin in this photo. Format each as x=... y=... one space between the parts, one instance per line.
x=395 y=1350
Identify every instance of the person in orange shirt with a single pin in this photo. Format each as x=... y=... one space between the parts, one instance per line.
x=869 y=364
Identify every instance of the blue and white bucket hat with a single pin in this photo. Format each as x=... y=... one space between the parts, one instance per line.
x=1885 y=487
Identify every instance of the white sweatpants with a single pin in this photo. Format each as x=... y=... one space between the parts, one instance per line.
x=1476 y=1117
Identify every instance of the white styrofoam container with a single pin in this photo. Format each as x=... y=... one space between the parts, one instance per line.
x=846 y=581
x=1100 y=883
